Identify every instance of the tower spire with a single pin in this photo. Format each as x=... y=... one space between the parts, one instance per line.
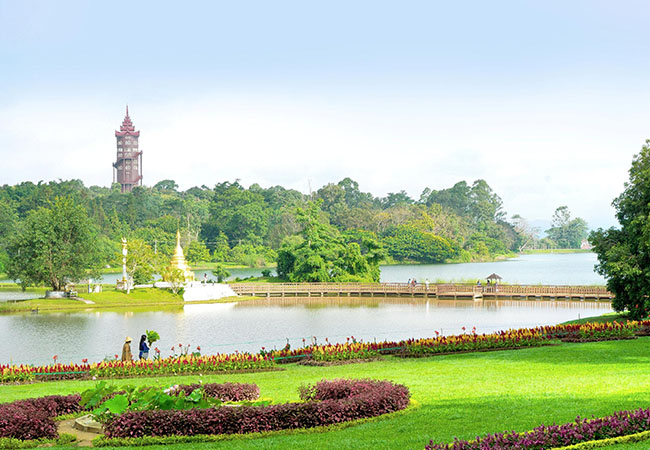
x=127 y=110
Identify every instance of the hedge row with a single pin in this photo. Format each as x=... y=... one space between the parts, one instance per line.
x=361 y=399
x=226 y=392
x=32 y=418
x=621 y=423
x=13 y=443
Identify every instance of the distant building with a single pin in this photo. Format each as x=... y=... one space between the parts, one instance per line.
x=127 y=169
x=585 y=245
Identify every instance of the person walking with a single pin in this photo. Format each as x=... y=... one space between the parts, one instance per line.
x=126 y=350
x=144 y=348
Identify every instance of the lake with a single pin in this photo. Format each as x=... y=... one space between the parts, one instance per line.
x=250 y=325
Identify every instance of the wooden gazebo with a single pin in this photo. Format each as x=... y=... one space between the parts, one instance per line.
x=494 y=278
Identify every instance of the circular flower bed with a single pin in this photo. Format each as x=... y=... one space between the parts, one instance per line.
x=326 y=403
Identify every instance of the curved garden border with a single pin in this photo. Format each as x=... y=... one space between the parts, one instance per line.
x=33 y=418
x=580 y=433
x=326 y=403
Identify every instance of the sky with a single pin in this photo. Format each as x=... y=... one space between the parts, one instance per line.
x=546 y=101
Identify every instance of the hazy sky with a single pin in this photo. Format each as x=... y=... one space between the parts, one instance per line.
x=547 y=101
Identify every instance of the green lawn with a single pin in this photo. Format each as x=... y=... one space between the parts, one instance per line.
x=609 y=317
x=141 y=299
x=459 y=395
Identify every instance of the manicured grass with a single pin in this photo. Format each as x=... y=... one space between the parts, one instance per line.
x=13 y=287
x=609 y=317
x=459 y=395
x=143 y=299
x=259 y=280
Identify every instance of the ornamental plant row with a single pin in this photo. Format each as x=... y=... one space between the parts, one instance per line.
x=185 y=364
x=350 y=350
x=621 y=423
x=474 y=342
x=32 y=418
x=326 y=403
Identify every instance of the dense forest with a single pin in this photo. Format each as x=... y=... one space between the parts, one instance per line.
x=256 y=226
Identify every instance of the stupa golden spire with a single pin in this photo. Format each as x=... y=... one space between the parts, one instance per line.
x=178 y=260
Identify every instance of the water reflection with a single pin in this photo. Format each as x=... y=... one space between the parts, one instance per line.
x=247 y=326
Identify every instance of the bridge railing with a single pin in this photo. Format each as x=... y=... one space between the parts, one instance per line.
x=419 y=288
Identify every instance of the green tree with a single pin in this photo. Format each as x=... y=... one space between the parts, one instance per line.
x=624 y=253
x=141 y=261
x=197 y=252
x=57 y=245
x=240 y=214
x=407 y=243
x=321 y=254
x=221 y=273
x=567 y=232
x=175 y=277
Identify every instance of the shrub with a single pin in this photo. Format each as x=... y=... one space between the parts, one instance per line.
x=620 y=423
x=226 y=392
x=32 y=418
x=362 y=398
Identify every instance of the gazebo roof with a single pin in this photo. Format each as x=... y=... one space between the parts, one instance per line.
x=494 y=276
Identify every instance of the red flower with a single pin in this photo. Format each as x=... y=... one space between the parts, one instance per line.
x=116 y=356
x=85 y=360
x=198 y=347
x=157 y=350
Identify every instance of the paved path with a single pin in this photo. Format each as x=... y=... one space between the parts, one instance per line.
x=84 y=438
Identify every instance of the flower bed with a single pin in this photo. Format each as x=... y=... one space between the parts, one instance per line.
x=326 y=403
x=182 y=365
x=179 y=365
x=343 y=352
x=351 y=350
x=593 y=331
x=621 y=423
x=474 y=342
x=32 y=418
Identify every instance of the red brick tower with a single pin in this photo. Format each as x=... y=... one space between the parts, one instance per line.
x=127 y=170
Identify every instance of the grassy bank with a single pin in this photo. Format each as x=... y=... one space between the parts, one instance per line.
x=458 y=395
x=610 y=317
x=555 y=250
x=139 y=299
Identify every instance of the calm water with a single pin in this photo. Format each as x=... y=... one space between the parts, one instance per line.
x=570 y=268
x=247 y=326
x=555 y=269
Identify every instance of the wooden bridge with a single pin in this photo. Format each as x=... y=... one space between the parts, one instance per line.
x=455 y=291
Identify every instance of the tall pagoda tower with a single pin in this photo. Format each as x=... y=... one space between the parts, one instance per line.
x=127 y=169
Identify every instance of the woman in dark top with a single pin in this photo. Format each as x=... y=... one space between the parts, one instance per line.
x=144 y=349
